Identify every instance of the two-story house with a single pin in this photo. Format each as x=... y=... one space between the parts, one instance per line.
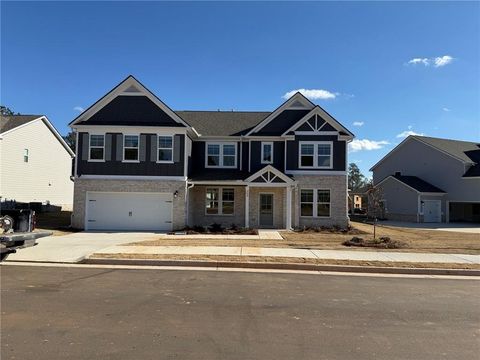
x=143 y=166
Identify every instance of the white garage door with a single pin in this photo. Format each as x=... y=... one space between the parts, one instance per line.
x=432 y=211
x=128 y=211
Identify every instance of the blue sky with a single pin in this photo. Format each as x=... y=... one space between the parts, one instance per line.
x=383 y=69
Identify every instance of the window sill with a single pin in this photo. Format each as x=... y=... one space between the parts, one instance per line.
x=96 y=160
x=220 y=167
x=266 y=163
x=165 y=162
x=315 y=217
x=131 y=161
x=316 y=167
x=226 y=215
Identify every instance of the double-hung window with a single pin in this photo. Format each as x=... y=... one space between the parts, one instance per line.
x=25 y=155
x=315 y=155
x=165 y=148
x=220 y=201
x=130 y=147
x=221 y=155
x=97 y=148
x=315 y=202
x=267 y=153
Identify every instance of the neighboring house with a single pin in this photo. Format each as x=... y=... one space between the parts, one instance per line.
x=356 y=200
x=427 y=179
x=143 y=166
x=35 y=162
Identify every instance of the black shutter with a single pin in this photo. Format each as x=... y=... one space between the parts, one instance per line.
x=108 y=147
x=153 y=147
x=119 y=151
x=177 y=141
x=85 y=142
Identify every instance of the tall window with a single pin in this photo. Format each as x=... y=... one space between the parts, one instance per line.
x=315 y=155
x=221 y=155
x=25 y=155
x=315 y=202
x=267 y=153
x=165 y=148
x=220 y=201
x=130 y=147
x=97 y=147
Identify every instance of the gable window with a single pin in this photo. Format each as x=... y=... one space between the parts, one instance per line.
x=219 y=201
x=97 y=148
x=315 y=203
x=267 y=153
x=165 y=148
x=130 y=147
x=25 y=155
x=315 y=154
x=221 y=155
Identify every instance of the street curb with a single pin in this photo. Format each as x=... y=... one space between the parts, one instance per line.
x=283 y=266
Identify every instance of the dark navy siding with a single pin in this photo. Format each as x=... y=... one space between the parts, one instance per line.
x=198 y=154
x=339 y=155
x=143 y=168
x=285 y=120
x=278 y=156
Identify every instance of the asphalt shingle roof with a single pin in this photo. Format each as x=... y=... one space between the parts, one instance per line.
x=417 y=183
x=455 y=148
x=11 y=122
x=222 y=123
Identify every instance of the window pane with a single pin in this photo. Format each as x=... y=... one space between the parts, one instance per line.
x=307 y=149
x=213 y=160
x=165 y=142
x=323 y=196
x=131 y=154
x=96 y=153
x=324 y=160
x=213 y=149
x=306 y=160
x=212 y=194
x=212 y=207
x=228 y=149
x=323 y=149
x=306 y=209
x=323 y=210
x=228 y=195
x=96 y=140
x=164 y=155
x=227 y=207
x=229 y=160
x=306 y=196
x=131 y=141
x=267 y=152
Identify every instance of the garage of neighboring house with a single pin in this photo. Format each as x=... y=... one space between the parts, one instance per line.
x=464 y=211
x=128 y=211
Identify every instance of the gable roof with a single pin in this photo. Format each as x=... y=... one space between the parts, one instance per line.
x=415 y=183
x=223 y=123
x=464 y=151
x=473 y=171
x=13 y=122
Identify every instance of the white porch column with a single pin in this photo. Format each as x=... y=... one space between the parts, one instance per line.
x=288 y=223
x=247 y=206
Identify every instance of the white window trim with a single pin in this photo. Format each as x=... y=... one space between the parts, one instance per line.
x=262 y=161
x=26 y=155
x=130 y=147
x=315 y=154
x=315 y=204
x=158 y=148
x=220 y=166
x=220 y=200
x=96 y=147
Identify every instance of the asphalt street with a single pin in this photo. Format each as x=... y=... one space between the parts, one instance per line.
x=92 y=313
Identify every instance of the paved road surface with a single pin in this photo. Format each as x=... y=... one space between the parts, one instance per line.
x=76 y=313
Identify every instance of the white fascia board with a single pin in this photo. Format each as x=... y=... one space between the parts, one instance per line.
x=315 y=172
x=217 y=182
x=272 y=170
x=131 y=177
x=131 y=129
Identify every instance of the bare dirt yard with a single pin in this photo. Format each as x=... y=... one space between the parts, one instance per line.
x=56 y=222
x=416 y=240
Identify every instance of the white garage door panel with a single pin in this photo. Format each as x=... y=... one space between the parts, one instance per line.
x=129 y=211
x=432 y=211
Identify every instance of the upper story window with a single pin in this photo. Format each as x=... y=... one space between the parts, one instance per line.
x=97 y=148
x=315 y=154
x=130 y=147
x=25 y=155
x=267 y=153
x=165 y=148
x=221 y=155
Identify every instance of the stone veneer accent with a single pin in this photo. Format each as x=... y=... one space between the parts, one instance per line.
x=156 y=186
x=338 y=200
x=197 y=203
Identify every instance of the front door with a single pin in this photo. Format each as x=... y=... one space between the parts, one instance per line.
x=266 y=210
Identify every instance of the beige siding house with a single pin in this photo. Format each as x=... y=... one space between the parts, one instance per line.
x=35 y=162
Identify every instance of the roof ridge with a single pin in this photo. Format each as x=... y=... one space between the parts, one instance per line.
x=446 y=139
x=226 y=111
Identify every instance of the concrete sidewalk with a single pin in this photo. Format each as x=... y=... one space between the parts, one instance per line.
x=294 y=253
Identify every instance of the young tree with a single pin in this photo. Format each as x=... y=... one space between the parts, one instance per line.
x=375 y=204
x=6 y=111
x=70 y=139
x=356 y=179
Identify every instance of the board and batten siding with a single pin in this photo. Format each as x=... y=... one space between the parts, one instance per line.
x=46 y=175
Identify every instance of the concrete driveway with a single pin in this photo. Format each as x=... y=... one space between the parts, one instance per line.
x=456 y=227
x=75 y=247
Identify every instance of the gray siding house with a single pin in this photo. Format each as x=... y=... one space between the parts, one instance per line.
x=143 y=166
x=427 y=179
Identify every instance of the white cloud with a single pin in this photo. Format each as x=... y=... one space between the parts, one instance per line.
x=79 y=109
x=446 y=109
x=438 y=61
x=312 y=94
x=442 y=61
x=358 y=123
x=408 y=132
x=365 y=144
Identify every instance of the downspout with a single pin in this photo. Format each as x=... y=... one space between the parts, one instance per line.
x=187 y=196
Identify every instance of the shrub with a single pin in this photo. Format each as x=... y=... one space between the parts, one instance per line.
x=198 y=229
x=383 y=242
x=215 y=228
